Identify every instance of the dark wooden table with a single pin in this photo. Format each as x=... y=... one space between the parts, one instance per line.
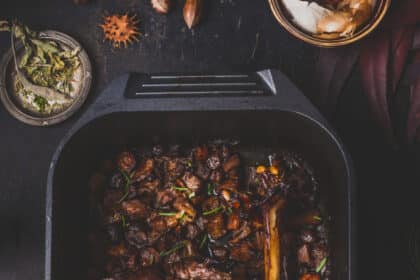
x=235 y=35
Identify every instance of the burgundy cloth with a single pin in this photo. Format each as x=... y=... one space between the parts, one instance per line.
x=382 y=59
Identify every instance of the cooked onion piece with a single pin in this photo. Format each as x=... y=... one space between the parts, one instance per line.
x=272 y=250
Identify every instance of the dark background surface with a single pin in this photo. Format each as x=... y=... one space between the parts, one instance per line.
x=235 y=35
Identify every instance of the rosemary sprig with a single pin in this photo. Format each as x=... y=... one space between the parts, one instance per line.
x=127 y=186
x=123 y=221
x=213 y=211
x=191 y=194
x=180 y=188
x=167 y=214
x=177 y=246
x=203 y=241
x=321 y=265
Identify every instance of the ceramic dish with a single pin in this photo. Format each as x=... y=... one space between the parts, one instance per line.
x=14 y=101
x=307 y=17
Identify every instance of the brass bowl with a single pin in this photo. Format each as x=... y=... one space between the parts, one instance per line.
x=376 y=18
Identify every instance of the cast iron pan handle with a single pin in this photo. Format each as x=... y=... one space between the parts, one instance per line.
x=262 y=90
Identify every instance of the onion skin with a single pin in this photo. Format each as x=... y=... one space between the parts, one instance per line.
x=272 y=242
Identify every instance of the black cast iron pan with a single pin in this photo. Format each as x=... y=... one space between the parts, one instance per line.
x=263 y=110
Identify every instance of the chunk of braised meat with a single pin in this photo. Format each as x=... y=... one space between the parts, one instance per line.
x=310 y=276
x=242 y=252
x=201 y=223
x=234 y=174
x=135 y=236
x=216 y=226
x=230 y=185
x=256 y=221
x=243 y=232
x=126 y=162
x=172 y=258
x=201 y=153
x=131 y=261
x=233 y=221
x=220 y=253
x=172 y=221
x=232 y=162
x=173 y=168
x=191 y=181
x=182 y=204
x=144 y=170
x=158 y=224
x=118 y=250
x=135 y=209
x=149 y=256
x=163 y=197
x=216 y=176
x=202 y=171
x=210 y=204
x=303 y=255
x=191 y=231
x=195 y=270
x=149 y=185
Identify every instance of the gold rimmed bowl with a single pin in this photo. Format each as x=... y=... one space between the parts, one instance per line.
x=298 y=25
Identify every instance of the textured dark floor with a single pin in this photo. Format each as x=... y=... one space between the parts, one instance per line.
x=236 y=35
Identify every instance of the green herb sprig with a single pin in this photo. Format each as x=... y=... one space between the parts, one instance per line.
x=321 y=265
x=128 y=181
x=203 y=241
x=213 y=211
x=177 y=246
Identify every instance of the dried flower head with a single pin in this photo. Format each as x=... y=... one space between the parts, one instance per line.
x=120 y=29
